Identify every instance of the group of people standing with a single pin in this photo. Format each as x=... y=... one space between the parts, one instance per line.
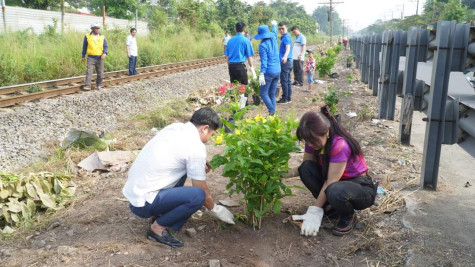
x=95 y=48
x=277 y=61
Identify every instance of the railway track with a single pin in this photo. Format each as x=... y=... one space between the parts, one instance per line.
x=16 y=94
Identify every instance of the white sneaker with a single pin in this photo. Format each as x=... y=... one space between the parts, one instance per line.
x=86 y=88
x=99 y=87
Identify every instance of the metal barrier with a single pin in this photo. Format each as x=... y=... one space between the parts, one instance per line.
x=426 y=68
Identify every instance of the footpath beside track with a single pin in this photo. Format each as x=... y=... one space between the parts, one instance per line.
x=16 y=94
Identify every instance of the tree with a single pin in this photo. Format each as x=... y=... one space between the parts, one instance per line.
x=294 y=14
x=121 y=9
x=320 y=14
x=36 y=4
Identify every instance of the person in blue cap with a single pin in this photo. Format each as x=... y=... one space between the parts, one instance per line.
x=270 y=65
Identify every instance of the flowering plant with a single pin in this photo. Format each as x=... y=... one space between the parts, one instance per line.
x=230 y=91
x=256 y=157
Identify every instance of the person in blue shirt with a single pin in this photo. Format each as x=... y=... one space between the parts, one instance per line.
x=270 y=65
x=238 y=51
x=286 y=64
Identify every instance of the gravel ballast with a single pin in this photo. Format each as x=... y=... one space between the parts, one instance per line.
x=25 y=130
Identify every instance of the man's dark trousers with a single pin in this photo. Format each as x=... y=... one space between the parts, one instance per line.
x=298 y=72
x=238 y=72
x=285 y=81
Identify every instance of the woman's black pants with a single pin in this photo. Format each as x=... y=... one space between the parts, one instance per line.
x=345 y=195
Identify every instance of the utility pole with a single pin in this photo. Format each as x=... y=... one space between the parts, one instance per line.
x=417 y=8
x=343 y=28
x=62 y=17
x=4 y=15
x=331 y=3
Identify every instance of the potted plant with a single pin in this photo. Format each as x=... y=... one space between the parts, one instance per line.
x=255 y=87
x=349 y=61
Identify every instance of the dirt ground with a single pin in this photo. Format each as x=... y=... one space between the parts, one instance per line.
x=99 y=230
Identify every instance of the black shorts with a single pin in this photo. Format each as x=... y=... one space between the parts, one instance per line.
x=238 y=72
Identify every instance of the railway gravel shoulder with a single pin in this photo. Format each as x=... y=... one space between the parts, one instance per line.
x=26 y=129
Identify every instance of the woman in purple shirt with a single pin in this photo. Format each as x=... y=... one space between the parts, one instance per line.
x=334 y=170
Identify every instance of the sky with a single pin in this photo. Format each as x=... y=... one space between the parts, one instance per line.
x=361 y=13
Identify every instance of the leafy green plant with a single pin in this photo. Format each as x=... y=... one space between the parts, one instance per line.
x=254 y=84
x=256 y=157
x=331 y=99
x=22 y=196
x=365 y=113
x=326 y=63
x=349 y=61
x=349 y=78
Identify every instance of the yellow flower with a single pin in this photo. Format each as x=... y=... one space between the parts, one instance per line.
x=260 y=118
x=271 y=118
x=219 y=139
x=238 y=132
x=277 y=130
x=248 y=121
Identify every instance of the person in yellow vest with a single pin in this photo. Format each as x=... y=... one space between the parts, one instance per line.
x=95 y=47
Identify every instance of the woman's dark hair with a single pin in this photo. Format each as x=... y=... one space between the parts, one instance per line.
x=206 y=116
x=314 y=124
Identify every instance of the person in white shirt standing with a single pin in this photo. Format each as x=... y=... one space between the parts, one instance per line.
x=154 y=187
x=132 y=51
x=300 y=45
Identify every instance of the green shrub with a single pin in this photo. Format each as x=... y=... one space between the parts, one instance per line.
x=331 y=99
x=256 y=157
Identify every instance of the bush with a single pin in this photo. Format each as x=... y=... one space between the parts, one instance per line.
x=331 y=99
x=256 y=157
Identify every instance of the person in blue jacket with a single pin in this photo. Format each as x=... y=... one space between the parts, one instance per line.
x=270 y=65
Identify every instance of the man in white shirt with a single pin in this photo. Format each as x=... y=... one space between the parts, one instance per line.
x=155 y=183
x=225 y=40
x=298 y=52
x=132 y=51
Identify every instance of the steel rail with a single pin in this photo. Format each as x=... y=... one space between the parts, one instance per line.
x=114 y=77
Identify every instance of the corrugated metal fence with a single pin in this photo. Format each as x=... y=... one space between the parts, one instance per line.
x=18 y=18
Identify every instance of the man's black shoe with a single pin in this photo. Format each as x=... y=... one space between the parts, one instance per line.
x=166 y=238
x=282 y=101
x=288 y=101
x=295 y=83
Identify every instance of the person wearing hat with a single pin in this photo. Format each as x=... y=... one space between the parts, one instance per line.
x=270 y=65
x=95 y=47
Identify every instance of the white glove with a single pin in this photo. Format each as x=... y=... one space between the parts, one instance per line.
x=273 y=22
x=222 y=213
x=311 y=221
x=262 y=80
x=253 y=71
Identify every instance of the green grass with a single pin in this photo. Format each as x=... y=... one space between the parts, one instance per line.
x=27 y=57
